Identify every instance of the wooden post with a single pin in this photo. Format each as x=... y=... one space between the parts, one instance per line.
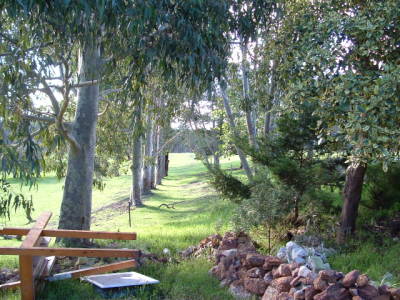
x=26 y=261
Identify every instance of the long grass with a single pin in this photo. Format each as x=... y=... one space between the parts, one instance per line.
x=197 y=213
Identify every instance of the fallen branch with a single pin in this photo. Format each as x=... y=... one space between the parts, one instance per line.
x=172 y=205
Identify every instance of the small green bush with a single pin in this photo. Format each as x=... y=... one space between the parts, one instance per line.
x=228 y=186
x=268 y=204
x=381 y=192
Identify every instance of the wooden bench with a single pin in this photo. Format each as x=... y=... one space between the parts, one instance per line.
x=36 y=258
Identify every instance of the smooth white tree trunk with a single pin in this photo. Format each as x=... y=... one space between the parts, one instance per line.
x=231 y=120
x=75 y=212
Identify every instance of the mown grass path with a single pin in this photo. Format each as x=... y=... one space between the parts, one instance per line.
x=198 y=213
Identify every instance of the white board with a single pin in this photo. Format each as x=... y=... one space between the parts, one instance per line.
x=114 y=280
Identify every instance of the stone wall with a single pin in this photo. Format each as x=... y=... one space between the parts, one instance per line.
x=246 y=272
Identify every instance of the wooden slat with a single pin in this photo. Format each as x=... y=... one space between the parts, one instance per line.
x=26 y=261
x=34 y=233
x=11 y=285
x=63 y=233
x=94 y=270
x=84 y=252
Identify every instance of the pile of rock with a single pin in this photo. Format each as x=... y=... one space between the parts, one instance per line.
x=207 y=246
x=247 y=273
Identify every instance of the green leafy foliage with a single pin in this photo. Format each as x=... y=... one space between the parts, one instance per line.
x=268 y=204
x=381 y=194
x=10 y=201
x=228 y=185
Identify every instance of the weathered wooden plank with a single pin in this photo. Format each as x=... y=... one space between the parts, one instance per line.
x=73 y=233
x=94 y=270
x=85 y=252
x=26 y=261
x=34 y=233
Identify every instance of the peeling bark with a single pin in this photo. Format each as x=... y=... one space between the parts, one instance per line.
x=136 y=190
x=76 y=205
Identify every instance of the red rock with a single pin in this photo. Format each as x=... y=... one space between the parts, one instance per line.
x=296 y=281
x=282 y=284
x=215 y=240
x=309 y=293
x=255 y=285
x=226 y=262
x=307 y=281
x=255 y=260
x=271 y=293
x=228 y=243
x=384 y=290
x=295 y=272
x=271 y=262
x=353 y=292
x=282 y=271
x=320 y=284
x=362 y=280
x=368 y=292
x=242 y=273
x=351 y=278
x=395 y=293
x=334 y=292
x=284 y=296
x=329 y=276
x=255 y=273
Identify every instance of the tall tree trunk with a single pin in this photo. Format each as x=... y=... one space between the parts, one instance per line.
x=148 y=154
x=250 y=113
x=161 y=158
x=270 y=105
x=154 y=157
x=232 y=124
x=76 y=205
x=352 y=195
x=137 y=158
x=166 y=164
x=267 y=120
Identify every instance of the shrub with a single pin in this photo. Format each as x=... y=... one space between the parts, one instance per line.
x=228 y=186
x=268 y=204
x=382 y=190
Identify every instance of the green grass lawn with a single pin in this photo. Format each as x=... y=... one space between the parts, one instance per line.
x=199 y=214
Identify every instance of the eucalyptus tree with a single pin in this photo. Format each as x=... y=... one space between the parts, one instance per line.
x=67 y=58
x=344 y=56
x=76 y=41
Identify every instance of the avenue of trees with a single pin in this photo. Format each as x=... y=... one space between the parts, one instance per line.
x=306 y=93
